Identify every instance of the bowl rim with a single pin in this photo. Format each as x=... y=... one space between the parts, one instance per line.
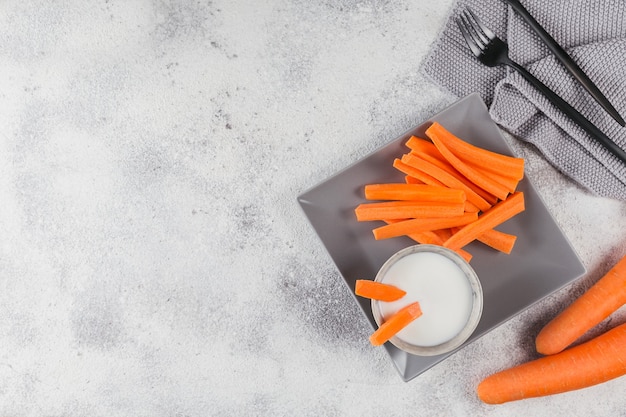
x=477 y=301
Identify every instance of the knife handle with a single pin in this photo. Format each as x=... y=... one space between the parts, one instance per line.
x=570 y=111
x=567 y=61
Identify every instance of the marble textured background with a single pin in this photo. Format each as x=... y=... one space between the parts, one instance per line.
x=153 y=259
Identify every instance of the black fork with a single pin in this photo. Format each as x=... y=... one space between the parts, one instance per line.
x=493 y=51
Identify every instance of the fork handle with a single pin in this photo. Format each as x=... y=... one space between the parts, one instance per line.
x=570 y=111
x=566 y=60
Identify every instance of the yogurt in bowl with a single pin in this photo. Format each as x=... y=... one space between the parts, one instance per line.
x=449 y=293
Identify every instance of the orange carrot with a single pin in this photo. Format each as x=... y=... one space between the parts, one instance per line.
x=377 y=290
x=498 y=214
x=395 y=323
x=411 y=180
x=593 y=362
x=498 y=240
x=470 y=207
x=392 y=191
x=416 y=225
x=488 y=160
x=477 y=177
x=502 y=178
x=495 y=239
x=423 y=146
x=445 y=178
x=597 y=303
x=440 y=162
x=444 y=234
x=406 y=209
x=433 y=237
x=416 y=173
x=444 y=165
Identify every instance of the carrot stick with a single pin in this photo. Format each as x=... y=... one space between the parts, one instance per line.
x=395 y=323
x=434 y=237
x=423 y=178
x=444 y=234
x=393 y=191
x=416 y=173
x=502 y=178
x=597 y=303
x=416 y=225
x=470 y=207
x=442 y=163
x=596 y=361
x=491 y=161
x=498 y=214
x=446 y=179
x=424 y=146
x=477 y=177
x=498 y=240
x=411 y=180
x=406 y=209
x=377 y=290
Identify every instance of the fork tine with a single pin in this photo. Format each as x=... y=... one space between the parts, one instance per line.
x=482 y=28
x=470 y=25
x=479 y=38
x=469 y=39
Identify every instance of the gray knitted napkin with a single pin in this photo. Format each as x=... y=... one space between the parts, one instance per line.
x=594 y=34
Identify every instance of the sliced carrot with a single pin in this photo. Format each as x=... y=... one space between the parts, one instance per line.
x=491 y=161
x=498 y=240
x=377 y=290
x=395 y=323
x=416 y=173
x=440 y=162
x=495 y=239
x=444 y=234
x=433 y=237
x=408 y=227
x=412 y=180
x=425 y=146
x=498 y=214
x=501 y=178
x=445 y=178
x=598 y=360
x=597 y=303
x=417 y=192
x=477 y=177
x=470 y=207
x=406 y=209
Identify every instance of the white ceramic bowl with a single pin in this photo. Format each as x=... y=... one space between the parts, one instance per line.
x=475 y=311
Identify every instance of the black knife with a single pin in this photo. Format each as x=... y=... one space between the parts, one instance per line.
x=569 y=63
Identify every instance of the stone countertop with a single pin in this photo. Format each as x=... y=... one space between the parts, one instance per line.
x=153 y=258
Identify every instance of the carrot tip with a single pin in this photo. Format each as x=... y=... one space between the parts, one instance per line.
x=395 y=323
x=377 y=290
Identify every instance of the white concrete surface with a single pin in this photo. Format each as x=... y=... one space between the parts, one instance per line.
x=153 y=259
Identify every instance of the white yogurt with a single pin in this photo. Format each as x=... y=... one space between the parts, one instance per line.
x=443 y=291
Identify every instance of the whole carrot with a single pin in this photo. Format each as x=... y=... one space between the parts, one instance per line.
x=597 y=303
x=593 y=362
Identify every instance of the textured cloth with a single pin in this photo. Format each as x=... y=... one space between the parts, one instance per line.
x=594 y=34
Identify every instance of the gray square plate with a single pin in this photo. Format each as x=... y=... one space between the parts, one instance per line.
x=542 y=261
